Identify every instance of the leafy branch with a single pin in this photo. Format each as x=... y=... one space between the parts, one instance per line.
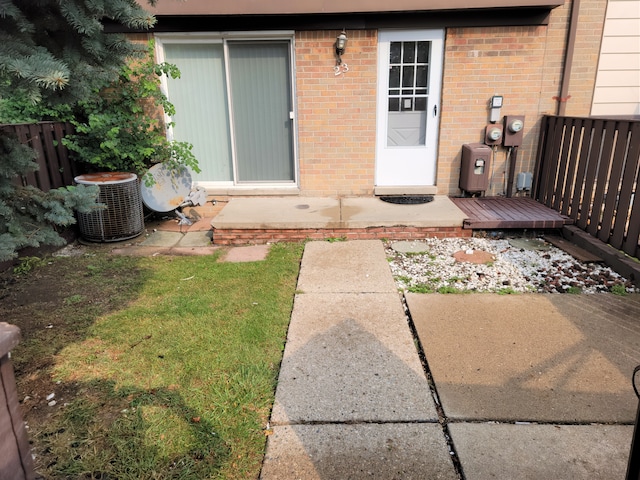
x=124 y=129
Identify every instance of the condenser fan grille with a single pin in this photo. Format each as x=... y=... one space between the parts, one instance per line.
x=123 y=218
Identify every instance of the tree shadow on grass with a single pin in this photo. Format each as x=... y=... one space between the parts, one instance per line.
x=128 y=433
x=96 y=430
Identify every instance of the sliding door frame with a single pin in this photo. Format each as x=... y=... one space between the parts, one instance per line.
x=223 y=38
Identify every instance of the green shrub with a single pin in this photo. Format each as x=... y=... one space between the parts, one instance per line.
x=619 y=289
x=124 y=129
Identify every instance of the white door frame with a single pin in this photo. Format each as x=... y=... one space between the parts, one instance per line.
x=408 y=166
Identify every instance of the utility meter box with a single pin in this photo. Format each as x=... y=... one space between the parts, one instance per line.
x=475 y=167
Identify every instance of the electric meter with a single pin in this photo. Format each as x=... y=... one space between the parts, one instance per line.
x=493 y=134
x=516 y=125
x=513 y=130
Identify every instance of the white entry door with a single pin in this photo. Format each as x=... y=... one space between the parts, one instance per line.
x=409 y=80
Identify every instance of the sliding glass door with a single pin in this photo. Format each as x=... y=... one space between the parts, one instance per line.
x=234 y=104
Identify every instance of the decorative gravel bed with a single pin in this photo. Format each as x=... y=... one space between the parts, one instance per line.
x=497 y=265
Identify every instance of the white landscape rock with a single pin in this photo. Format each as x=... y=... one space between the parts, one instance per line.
x=432 y=266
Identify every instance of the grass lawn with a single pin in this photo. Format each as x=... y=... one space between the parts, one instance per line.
x=162 y=367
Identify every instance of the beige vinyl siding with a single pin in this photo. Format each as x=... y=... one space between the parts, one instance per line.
x=617 y=89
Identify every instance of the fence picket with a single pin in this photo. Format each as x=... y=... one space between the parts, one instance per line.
x=613 y=184
x=585 y=149
x=51 y=156
x=561 y=184
x=570 y=178
x=630 y=178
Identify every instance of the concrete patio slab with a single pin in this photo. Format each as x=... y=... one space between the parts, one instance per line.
x=534 y=452
x=347 y=212
x=345 y=267
x=279 y=213
x=531 y=357
x=196 y=238
x=413 y=246
x=351 y=357
x=362 y=212
x=389 y=451
x=161 y=238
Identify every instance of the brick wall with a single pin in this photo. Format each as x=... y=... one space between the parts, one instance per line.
x=336 y=113
x=259 y=236
x=480 y=63
x=585 y=59
x=525 y=65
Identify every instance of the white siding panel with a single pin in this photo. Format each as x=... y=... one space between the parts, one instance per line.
x=606 y=109
x=619 y=61
x=620 y=45
x=623 y=9
x=616 y=95
x=618 y=27
x=622 y=78
x=617 y=88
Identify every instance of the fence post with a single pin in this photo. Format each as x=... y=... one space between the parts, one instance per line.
x=17 y=463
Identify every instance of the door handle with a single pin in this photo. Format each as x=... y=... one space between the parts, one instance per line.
x=435 y=110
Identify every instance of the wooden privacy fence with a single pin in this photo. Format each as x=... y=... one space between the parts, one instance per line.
x=56 y=170
x=587 y=169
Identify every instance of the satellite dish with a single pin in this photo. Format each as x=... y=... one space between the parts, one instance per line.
x=170 y=189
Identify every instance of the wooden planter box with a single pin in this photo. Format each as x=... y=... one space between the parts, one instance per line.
x=16 y=461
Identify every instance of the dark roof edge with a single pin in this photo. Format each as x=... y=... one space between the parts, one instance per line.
x=312 y=7
x=452 y=19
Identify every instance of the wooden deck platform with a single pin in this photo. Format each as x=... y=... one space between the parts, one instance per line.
x=508 y=213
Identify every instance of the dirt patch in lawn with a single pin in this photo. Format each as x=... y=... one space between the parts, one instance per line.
x=54 y=300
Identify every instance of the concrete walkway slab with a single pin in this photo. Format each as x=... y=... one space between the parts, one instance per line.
x=534 y=452
x=195 y=238
x=351 y=358
x=359 y=266
x=162 y=238
x=530 y=357
x=352 y=399
x=165 y=238
x=389 y=451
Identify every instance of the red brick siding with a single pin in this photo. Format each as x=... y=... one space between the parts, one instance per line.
x=525 y=65
x=261 y=236
x=336 y=113
x=585 y=59
x=480 y=63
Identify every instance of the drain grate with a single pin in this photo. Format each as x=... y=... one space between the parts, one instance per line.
x=407 y=199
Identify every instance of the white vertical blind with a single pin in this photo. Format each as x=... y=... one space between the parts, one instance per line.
x=202 y=114
x=260 y=81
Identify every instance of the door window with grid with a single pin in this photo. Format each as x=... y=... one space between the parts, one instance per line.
x=408 y=92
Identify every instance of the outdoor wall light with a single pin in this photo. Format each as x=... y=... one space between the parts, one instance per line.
x=341 y=43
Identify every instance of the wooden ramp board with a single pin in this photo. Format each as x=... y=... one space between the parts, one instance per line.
x=508 y=213
x=572 y=249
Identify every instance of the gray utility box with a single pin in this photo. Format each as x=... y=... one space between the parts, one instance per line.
x=475 y=167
